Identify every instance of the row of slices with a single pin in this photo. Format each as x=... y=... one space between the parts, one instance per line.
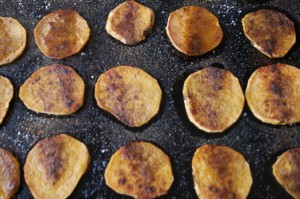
x=213 y=97
x=139 y=169
x=192 y=30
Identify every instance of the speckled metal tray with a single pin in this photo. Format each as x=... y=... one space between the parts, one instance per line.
x=170 y=129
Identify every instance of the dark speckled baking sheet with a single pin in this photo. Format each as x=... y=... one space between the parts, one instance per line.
x=170 y=129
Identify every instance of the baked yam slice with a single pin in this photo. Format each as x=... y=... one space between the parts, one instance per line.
x=9 y=174
x=56 y=89
x=140 y=170
x=128 y=93
x=12 y=40
x=194 y=30
x=55 y=165
x=130 y=22
x=61 y=34
x=270 y=32
x=6 y=95
x=273 y=94
x=287 y=171
x=220 y=172
x=213 y=99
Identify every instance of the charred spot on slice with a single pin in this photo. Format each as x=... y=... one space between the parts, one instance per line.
x=126 y=27
x=51 y=159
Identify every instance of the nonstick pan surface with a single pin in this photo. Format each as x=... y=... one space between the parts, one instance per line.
x=170 y=130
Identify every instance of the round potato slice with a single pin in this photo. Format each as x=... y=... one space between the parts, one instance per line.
x=273 y=94
x=220 y=172
x=56 y=89
x=9 y=174
x=128 y=93
x=213 y=99
x=61 y=34
x=287 y=171
x=6 y=95
x=194 y=30
x=130 y=22
x=55 y=165
x=271 y=32
x=12 y=40
x=140 y=170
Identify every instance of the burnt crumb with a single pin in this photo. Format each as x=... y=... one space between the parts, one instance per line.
x=215 y=74
x=122 y=181
x=114 y=75
x=69 y=102
x=150 y=189
x=276 y=88
x=270 y=46
x=217 y=87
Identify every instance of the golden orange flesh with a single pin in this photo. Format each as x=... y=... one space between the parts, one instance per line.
x=271 y=32
x=130 y=22
x=287 y=171
x=54 y=166
x=194 y=30
x=140 y=170
x=6 y=95
x=12 y=40
x=213 y=99
x=273 y=94
x=56 y=89
x=61 y=34
x=220 y=172
x=9 y=174
x=128 y=93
